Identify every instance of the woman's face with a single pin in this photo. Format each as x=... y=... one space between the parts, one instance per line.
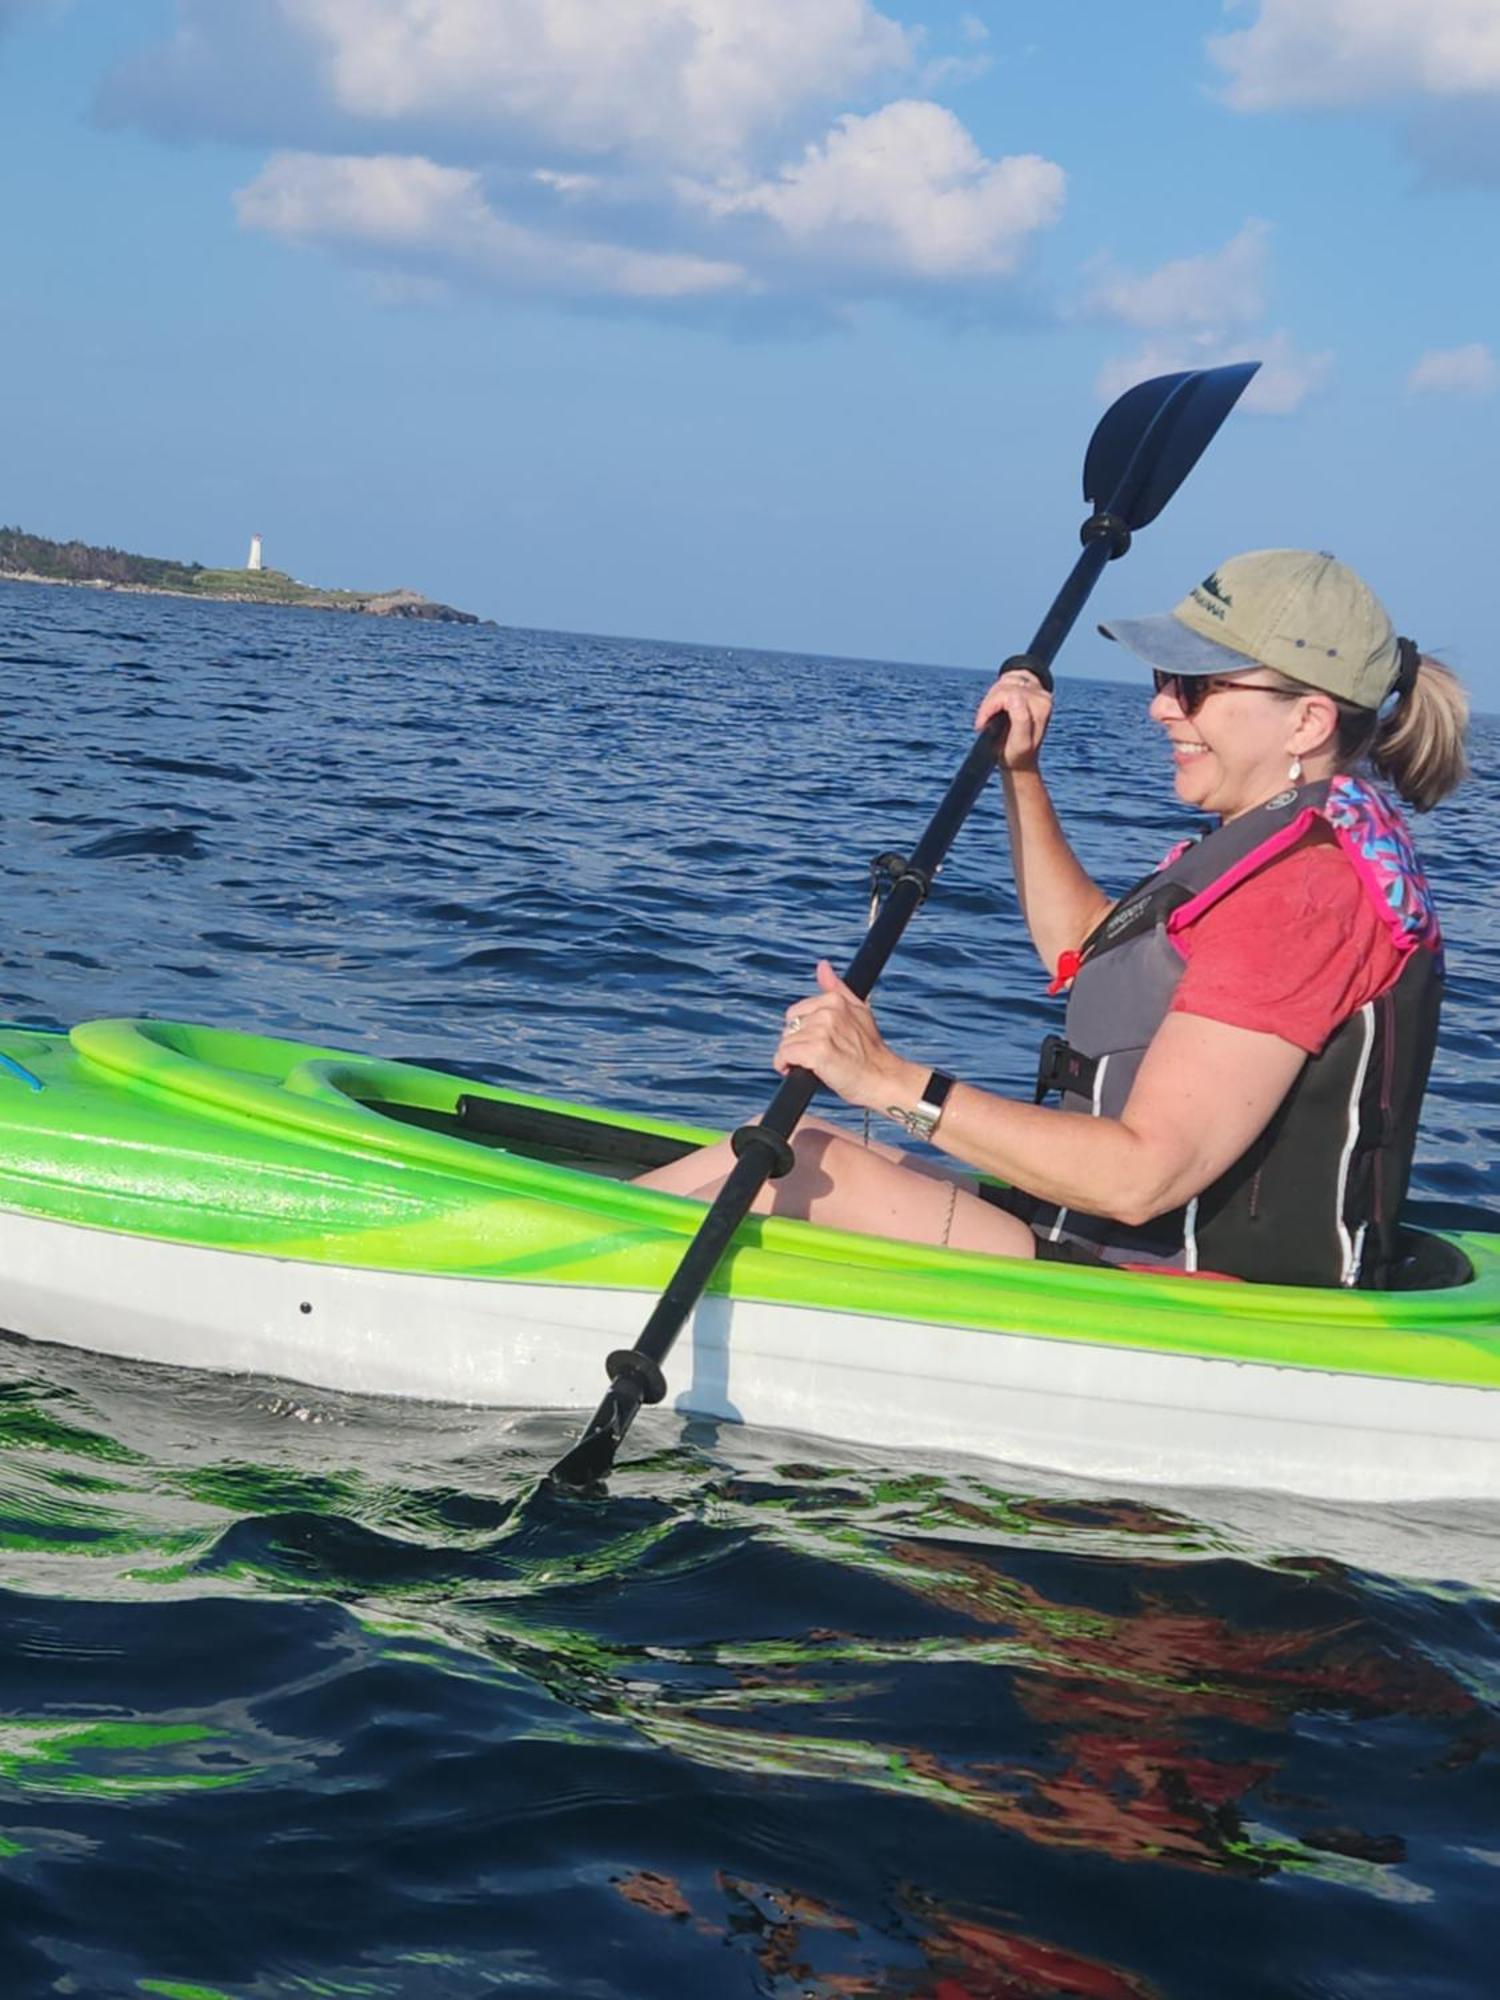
x=1235 y=750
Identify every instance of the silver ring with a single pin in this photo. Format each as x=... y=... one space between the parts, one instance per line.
x=794 y=1022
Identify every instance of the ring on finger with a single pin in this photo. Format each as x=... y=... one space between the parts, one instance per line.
x=793 y=1023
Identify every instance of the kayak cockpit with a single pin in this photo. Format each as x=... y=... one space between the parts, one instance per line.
x=1428 y=1261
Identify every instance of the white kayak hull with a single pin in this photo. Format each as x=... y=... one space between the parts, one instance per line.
x=1103 y=1413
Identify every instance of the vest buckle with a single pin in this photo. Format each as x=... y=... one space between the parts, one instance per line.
x=1062 y=1068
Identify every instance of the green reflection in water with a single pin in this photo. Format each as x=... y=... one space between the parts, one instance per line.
x=44 y=1755
x=175 y=1989
x=27 y=1423
x=260 y=1489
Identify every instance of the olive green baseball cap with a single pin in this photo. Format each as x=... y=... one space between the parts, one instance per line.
x=1303 y=613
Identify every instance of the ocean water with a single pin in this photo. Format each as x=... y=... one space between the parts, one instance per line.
x=310 y=1695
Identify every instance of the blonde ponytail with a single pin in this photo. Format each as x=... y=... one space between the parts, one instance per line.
x=1419 y=748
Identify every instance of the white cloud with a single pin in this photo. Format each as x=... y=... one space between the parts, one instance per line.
x=695 y=82
x=678 y=78
x=1471 y=370
x=440 y=221
x=1219 y=289
x=905 y=190
x=1200 y=311
x=648 y=150
x=1335 y=52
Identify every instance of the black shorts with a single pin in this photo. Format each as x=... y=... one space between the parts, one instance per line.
x=1064 y=1252
x=1024 y=1207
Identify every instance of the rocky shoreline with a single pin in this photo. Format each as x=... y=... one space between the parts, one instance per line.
x=375 y=604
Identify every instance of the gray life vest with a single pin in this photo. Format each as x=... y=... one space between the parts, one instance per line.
x=1316 y=1199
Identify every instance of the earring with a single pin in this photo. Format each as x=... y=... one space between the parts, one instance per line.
x=1294 y=775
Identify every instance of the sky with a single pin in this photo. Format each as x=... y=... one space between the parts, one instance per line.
x=780 y=324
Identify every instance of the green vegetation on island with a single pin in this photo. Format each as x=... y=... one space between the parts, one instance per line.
x=34 y=559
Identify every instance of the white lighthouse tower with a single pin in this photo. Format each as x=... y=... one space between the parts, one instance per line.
x=255 y=560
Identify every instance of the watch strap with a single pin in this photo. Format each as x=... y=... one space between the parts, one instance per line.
x=922 y=1122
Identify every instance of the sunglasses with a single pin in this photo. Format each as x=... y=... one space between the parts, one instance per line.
x=1190 y=691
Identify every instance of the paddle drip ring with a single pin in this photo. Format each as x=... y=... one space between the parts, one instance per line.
x=1027 y=663
x=639 y=1369
x=1105 y=526
x=748 y=1137
x=889 y=869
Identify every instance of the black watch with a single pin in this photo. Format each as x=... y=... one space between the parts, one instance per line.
x=922 y=1122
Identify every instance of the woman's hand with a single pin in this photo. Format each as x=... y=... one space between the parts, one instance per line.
x=1021 y=696
x=834 y=1035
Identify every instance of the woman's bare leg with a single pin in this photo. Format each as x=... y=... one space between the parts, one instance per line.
x=874 y=1189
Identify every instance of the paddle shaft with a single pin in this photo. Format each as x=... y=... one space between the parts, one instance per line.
x=905 y=898
x=635 y=1373
x=753 y=1168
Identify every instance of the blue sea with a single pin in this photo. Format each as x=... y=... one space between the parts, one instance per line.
x=303 y=1695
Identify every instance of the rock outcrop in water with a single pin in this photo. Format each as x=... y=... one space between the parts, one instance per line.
x=412 y=604
x=34 y=559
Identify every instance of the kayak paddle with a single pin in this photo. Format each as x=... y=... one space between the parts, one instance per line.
x=1142 y=449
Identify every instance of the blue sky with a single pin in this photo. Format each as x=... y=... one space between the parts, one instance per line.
x=779 y=325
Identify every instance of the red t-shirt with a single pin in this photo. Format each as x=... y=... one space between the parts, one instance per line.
x=1292 y=952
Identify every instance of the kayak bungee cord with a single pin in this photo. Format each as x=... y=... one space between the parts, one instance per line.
x=1142 y=449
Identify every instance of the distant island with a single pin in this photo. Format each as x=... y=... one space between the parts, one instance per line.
x=33 y=559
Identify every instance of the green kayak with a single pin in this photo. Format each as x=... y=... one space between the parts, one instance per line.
x=202 y=1198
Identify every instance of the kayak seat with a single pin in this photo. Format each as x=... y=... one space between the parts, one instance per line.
x=1425 y=1263
x=1428 y=1263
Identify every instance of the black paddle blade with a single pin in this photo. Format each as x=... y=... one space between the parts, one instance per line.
x=1147 y=442
x=592 y=1459
x=589 y=1463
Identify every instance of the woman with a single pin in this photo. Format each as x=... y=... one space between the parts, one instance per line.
x=1249 y=1029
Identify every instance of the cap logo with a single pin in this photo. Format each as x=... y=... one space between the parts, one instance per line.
x=1212 y=597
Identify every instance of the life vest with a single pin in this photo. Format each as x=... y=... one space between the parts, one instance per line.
x=1315 y=1200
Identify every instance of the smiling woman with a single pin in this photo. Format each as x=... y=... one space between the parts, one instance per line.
x=1249 y=1029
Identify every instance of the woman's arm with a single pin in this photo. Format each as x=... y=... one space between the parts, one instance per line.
x=1059 y=900
x=1204 y=1093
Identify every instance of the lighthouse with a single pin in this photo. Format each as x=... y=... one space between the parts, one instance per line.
x=255 y=560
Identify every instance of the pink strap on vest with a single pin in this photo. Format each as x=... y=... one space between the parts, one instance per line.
x=1377 y=847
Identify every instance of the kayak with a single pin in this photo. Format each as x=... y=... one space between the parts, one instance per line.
x=203 y=1198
